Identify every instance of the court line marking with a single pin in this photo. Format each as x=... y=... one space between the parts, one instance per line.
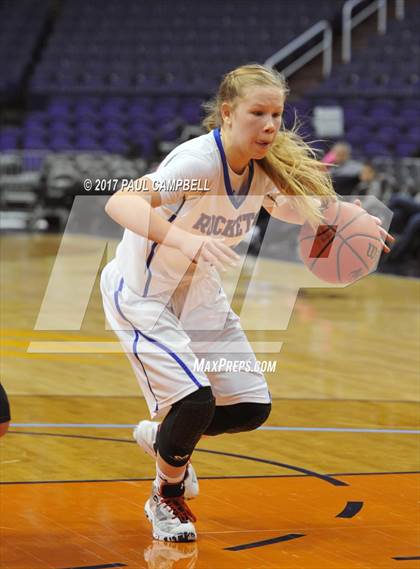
x=111 y=347
x=233 y=477
x=343 y=430
x=106 y=566
x=253 y=544
x=274 y=398
x=324 y=477
x=372 y=473
x=263 y=428
x=350 y=510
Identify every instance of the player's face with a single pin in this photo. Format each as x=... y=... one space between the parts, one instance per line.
x=256 y=119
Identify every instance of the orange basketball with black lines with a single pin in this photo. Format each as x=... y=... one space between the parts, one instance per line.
x=345 y=247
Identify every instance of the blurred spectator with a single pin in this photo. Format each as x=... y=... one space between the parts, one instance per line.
x=404 y=208
x=345 y=171
x=404 y=258
x=370 y=183
x=374 y=186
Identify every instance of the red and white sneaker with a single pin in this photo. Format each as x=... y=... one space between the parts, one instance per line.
x=145 y=434
x=167 y=511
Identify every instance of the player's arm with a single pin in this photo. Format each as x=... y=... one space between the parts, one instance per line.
x=281 y=208
x=286 y=208
x=135 y=210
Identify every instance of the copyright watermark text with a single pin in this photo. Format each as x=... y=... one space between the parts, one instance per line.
x=142 y=185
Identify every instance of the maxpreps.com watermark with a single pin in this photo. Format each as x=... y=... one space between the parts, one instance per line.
x=141 y=185
x=225 y=365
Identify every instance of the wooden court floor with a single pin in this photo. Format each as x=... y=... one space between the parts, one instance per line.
x=331 y=480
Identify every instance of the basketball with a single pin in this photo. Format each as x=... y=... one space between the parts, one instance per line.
x=345 y=247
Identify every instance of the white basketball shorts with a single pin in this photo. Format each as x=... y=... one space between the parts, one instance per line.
x=175 y=348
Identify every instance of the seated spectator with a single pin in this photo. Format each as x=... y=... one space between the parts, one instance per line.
x=374 y=186
x=345 y=171
x=404 y=258
x=404 y=207
x=370 y=183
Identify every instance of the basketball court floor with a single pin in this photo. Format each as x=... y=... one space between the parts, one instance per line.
x=330 y=481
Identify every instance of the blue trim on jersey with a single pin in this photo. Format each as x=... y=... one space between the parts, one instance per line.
x=238 y=198
x=149 y=272
x=135 y=352
x=135 y=341
x=153 y=249
x=153 y=341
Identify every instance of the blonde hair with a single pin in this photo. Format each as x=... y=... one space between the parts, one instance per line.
x=290 y=163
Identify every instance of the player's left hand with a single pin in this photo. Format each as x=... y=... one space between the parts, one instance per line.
x=386 y=237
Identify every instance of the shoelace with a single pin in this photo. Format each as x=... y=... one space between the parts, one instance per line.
x=180 y=509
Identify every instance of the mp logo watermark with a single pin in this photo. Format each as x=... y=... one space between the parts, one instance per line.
x=264 y=291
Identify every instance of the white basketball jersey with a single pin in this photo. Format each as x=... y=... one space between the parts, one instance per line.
x=223 y=205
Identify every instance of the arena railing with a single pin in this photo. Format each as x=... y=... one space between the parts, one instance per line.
x=349 y=22
x=400 y=9
x=324 y=47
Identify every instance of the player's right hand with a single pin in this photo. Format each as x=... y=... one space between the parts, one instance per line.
x=209 y=250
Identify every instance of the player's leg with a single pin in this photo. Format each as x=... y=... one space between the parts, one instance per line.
x=179 y=433
x=243 y=401
x=146 y=434
x=4 y=411
x=163 y=364
x=238 y=418
x=155 y=344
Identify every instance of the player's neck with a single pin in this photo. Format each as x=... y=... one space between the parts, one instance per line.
x=235 y=158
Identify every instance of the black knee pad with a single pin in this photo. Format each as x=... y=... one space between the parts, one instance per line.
x=238 y=418
x=183 y=426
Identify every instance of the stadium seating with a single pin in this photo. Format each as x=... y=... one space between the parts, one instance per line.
x=380 y=95
x=164 y=48
x=21 y=25
x=132 y=74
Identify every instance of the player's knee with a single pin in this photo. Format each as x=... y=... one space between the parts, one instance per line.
x=183 y=426
x=250 y=416
x=238 y=418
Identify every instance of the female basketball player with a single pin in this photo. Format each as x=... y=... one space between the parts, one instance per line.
x=162 y=293
x=4 y=411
